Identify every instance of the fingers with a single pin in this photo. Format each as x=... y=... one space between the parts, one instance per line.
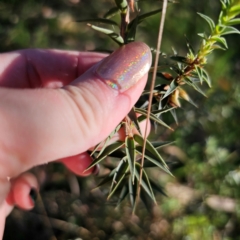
x=43 y=125
x=23 y=191
x=33 y=68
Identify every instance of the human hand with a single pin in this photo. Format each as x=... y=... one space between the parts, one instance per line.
x=57 y=105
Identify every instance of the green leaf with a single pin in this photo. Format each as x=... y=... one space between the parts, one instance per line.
x=234 y=21
x=122 y=5
x=103 y=145
x=111 y=13
x=114 y=36
x=99 y=20
x=180 y=59
x=161 y=111
x=209 y=21
x=157 y=188
x=206 y=77
x=174 y=114
x=149 y=14
x=152 y=117
x=229 y=30
x=108 y=150
x=199 y=73
x=195 y=86
x=221 y=40
x=132 y=192
x=172 y=87
x=119 y=175
x=150 y=148
x=131 y=155
x=131 y=31
x=189 y=46
x=145 y=182
x=158 y=145
x=152 y=158
x=133 y=117
x=106 y=179
x=124 y=192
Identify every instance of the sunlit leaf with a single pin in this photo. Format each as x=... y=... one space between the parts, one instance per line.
x=234 y=21
x=221 y=40
x=229 y=30
x=209 y=21
x=190 y=48
x=206 y=77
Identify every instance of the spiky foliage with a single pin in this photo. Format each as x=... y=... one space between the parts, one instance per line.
x=188 y=70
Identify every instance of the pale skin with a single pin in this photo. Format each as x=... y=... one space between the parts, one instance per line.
x=52 y=107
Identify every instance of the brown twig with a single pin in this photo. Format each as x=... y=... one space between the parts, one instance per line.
x=159 y=41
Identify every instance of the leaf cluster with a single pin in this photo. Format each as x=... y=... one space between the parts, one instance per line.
x=188 y=70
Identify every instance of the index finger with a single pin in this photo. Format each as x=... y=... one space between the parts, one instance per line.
x=32 y=68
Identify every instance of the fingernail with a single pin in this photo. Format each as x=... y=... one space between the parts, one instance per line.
x=96 y=170
x=126 y=66
x=33 y=194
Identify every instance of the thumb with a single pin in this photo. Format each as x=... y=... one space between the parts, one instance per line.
x=41 y=125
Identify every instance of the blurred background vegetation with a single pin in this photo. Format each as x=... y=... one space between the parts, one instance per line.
x=203 y=198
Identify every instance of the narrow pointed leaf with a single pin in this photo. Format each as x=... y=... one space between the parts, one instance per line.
x=109 y=149
x=174 y=114
x=190 y=48
x=150 y=148
x=172 y=87
x=149 y=14
x=131 y=31
x=144 y=182
x=195 y=86
x=221 y=40
x=157 y=188
x=124 y=192
x=158 y=145
x=133 y=117
x=103 y=144
x=229 y=30
x=119 y=175
x=199 y=73
x=209 y=21
x=180 y=59
x=99 y=20
x=150 y=157
x=131 y=155
x=152 y=117
x=206 y=77
x=234 y=21
x=111 y=13
x=114 y=36
x=132 y=192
